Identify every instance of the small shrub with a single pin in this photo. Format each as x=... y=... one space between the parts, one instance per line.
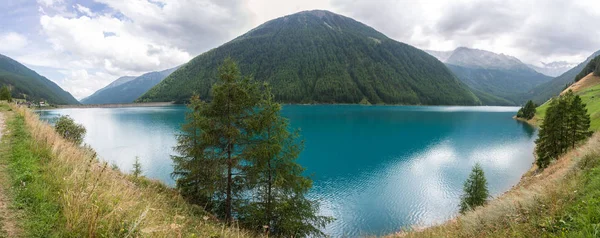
x=68 y=129
x=137 y=168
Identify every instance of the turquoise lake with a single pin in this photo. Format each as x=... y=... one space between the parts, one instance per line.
x=376 y=169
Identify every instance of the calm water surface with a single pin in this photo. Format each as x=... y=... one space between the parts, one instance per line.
x=375 y=169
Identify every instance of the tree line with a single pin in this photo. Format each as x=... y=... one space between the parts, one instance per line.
x=527 y=112
x=237 y=159
x=566 y=123
x=592 y=67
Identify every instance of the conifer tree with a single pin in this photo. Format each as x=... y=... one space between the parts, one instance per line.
x=215 y=136
x=566 y=123
x=475 y=190
x=279 y=205
x=528 y=111
x=237 y=159
x=579 y=121
x=137 y=168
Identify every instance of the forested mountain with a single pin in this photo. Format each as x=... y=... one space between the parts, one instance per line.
x=27 y=83
x=126 y=89
x=497 y=75
x=322 y=57
x=543 y=92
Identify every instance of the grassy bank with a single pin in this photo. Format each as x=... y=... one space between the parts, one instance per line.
x=64 y=191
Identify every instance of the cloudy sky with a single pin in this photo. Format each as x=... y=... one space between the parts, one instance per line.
x=85 y=44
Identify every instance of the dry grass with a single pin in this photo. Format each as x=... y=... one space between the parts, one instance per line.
x=586 y=82
x=528 y=209
x=98 y=201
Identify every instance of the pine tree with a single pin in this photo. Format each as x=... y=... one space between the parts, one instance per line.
x=137 y=168
x=279 y=204
x=215 y=136
x=566 y=123
x=528 y=111
x=475 y=190
x=237 y=160
x=579 y=121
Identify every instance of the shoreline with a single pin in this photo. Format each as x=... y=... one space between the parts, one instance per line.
x=521 y=184
x=118 y=105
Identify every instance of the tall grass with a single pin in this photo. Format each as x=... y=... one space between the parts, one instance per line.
x=560 y=201
x=82 y=197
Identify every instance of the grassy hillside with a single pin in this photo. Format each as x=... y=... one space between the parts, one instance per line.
x=62 y=190
x=322 y=57
x=590 y=95
x=26 y=81
x=127 y=91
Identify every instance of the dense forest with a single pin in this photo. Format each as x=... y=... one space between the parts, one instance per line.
x=26 y=83
x=129 y=90
x=322 y=57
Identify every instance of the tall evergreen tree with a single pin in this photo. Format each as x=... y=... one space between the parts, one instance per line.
x=237 y=159
x=475 y=190
x=579 y=121
x=215 y=137
x=566 y=123
x=278 y=204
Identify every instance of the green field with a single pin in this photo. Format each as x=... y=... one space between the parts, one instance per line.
x=591 y=97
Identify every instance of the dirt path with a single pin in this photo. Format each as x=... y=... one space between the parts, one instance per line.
x=8 y=227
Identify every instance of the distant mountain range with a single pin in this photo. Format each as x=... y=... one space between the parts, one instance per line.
x=26 y=83
x=127 y=88
x=545 y=91
x=501 y=76
x=322 y=57
x=553 y=69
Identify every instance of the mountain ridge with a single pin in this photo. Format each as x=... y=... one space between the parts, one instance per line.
x=498 y=75
x=127 y=88
x=322 y=57
x=28 y=82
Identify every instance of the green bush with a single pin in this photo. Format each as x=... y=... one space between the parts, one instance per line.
x=68 y=129
x=5 y=94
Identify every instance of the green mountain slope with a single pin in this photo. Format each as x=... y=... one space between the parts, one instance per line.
x=126 y=89
x=498 y=75
x=322 y=57
x=510 y=85
x=545 y=91
x=25 y=81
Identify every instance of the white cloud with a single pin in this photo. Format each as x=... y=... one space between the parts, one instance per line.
x=49 y=3
x=80 y=83
x=12 y=41
x=84 y=10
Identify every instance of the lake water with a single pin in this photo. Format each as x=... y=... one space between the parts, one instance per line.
x=376 y=169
